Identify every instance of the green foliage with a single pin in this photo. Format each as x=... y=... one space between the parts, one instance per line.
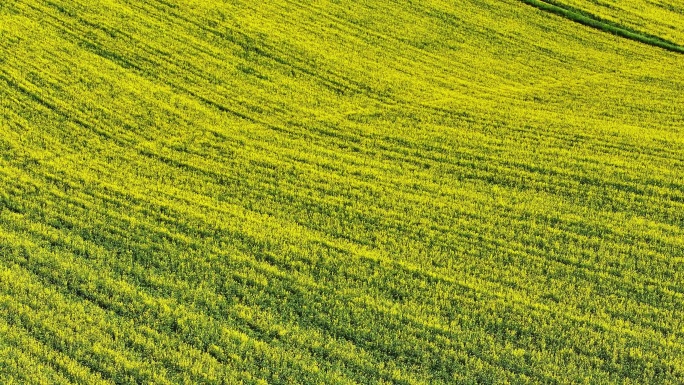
x=324 y=192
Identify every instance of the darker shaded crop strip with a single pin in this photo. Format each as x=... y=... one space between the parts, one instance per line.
x=594 y=21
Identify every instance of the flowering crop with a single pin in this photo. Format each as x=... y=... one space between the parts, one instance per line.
x=318 y=192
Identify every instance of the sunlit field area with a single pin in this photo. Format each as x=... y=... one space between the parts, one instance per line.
x=341 y=192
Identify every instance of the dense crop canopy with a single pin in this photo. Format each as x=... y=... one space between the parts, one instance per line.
x=353 y=192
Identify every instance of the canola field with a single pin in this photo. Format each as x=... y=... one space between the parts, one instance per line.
x=339 y=192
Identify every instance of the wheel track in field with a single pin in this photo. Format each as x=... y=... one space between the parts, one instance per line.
x=593 y=21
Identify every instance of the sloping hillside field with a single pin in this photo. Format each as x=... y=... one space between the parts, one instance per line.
x=341 y=192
